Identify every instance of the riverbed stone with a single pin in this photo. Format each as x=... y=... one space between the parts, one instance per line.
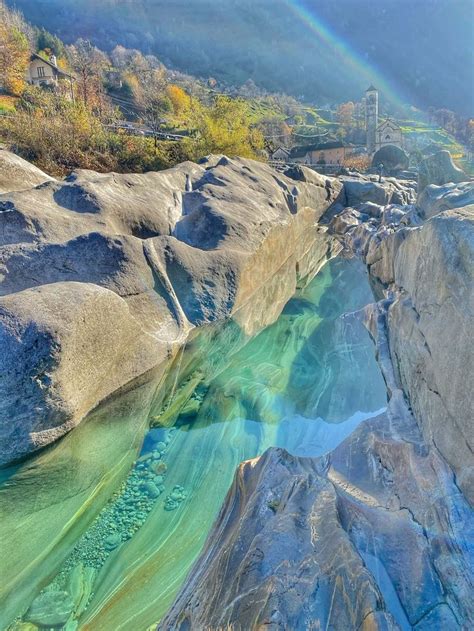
x=50 y=609
x=112 y=541
x=151 y=489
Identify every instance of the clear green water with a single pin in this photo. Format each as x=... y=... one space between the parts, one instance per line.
x=110 y=536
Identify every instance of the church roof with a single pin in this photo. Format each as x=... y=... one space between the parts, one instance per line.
x=388 y=121
x=280 y=148
x=371 y=88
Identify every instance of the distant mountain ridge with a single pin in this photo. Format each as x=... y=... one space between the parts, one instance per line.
x=423 y=48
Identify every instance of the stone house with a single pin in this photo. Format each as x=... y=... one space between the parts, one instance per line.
x=45 y=72
x=281 y=154
x=326 y=153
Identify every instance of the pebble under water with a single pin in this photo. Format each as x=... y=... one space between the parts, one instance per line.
x=108 y=523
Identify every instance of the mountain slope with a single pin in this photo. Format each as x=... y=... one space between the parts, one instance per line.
x=319 y=49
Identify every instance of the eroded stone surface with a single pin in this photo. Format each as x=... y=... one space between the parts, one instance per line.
x=17 y=174
x=65 y=346
x=376 y=535
x=439 y=169
x=423 y=257
x=170 y=258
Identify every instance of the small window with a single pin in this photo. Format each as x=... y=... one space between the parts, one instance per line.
x=41 y=71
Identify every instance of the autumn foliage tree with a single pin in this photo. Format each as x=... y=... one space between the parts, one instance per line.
x=181 y=103
x=14 y=52
x=345 y=116
x=88 y=63
x=223 y=127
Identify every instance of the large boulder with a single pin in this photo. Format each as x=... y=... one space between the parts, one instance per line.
x=389 y=191
x=435 y=199
x=357 y=540
x=118 y=263
x=438 y=169
x=279 y=557
x=64 y=347
x=392 y=157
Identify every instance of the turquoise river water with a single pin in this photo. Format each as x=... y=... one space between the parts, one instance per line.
x=100 y=530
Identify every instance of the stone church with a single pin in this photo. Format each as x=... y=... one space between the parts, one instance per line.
x=379 y=134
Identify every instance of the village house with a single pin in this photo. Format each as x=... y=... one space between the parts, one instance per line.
x=45 y=72
x=326 y=153
x=281 y=154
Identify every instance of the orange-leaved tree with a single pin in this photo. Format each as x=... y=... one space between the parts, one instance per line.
x=14 y=52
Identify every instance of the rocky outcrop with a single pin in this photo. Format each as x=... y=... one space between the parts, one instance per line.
x=156 y=259
x=373 y=536
x=427 y=268
x=389 y=191
x=61 y=355
x=431 y=323
x=392 y=158
x=17 y=174
x=434 y=199
x=438 y=169
x=279 y=557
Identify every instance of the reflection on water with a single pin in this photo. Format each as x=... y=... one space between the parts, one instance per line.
x=303 y=383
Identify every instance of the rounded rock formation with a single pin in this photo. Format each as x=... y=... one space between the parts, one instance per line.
x=392 y=157
x=439 y=169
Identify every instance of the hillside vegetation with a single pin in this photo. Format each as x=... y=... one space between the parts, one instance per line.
x=317 y=50
x=129 y=112
x=58 y=133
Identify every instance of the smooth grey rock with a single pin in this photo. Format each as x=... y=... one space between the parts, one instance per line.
x=435 y=199
x=165 y=255
x=438 y=169
x=389 y=191
x=329 y=542
x=17 y=174
x=392 y=157
x=278 y=556
x=431 y=325
x=140 y=205
x=64 y=347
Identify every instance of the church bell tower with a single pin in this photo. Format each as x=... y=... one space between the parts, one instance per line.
x=371 y=117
